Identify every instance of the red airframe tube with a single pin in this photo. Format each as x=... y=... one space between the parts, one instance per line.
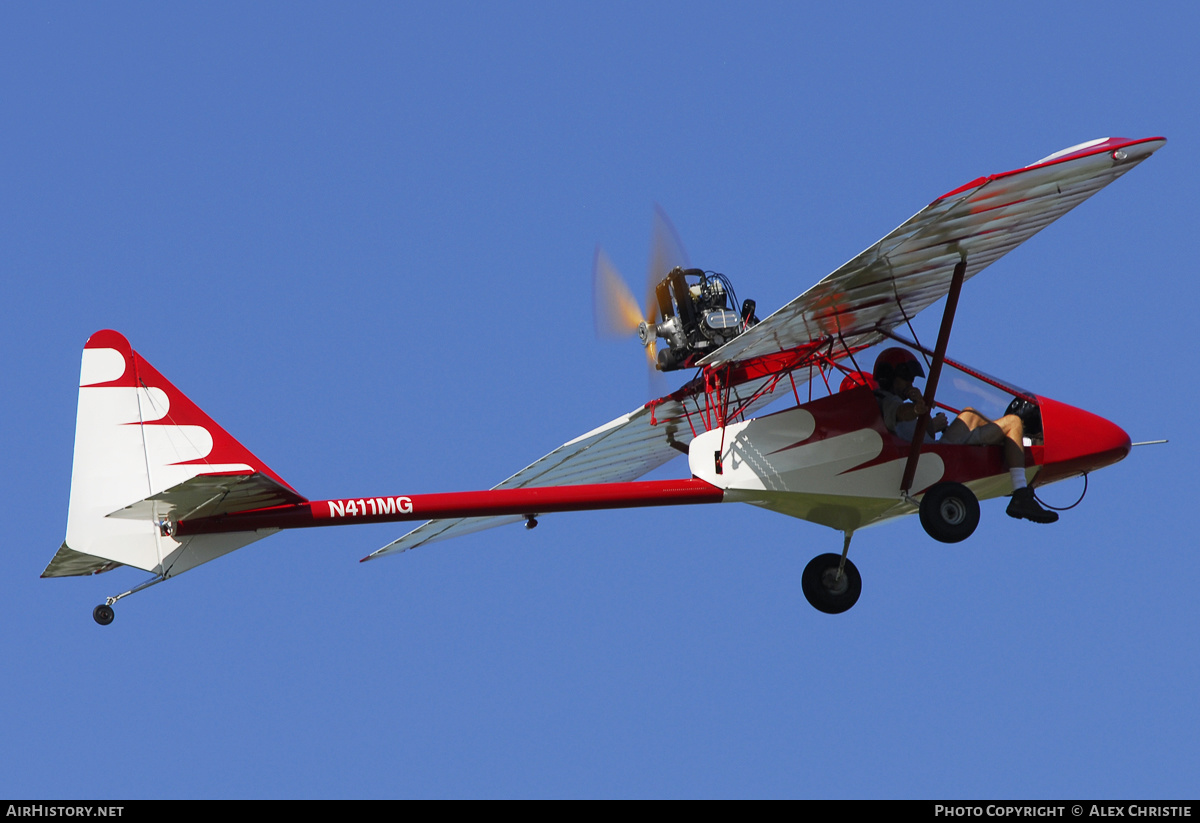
x=395 y=508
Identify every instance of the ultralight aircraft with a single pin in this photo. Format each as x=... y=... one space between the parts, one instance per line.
x=157 y=485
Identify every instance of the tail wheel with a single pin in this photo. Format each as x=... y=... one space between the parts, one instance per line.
x=949 y=512
x=103 y=614
x=826 y=589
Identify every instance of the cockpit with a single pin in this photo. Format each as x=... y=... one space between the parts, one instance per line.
x=960 y=387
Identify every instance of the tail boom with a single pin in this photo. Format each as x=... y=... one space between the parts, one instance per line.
x=524 y=501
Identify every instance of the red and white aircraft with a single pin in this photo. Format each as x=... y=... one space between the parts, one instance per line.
x=158 y=485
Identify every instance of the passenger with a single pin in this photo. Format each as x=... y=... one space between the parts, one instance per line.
x=896 y=368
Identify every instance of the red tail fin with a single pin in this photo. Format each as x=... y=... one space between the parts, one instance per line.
x=137 y=437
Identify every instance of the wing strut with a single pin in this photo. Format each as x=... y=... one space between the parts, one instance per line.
x=935 y=372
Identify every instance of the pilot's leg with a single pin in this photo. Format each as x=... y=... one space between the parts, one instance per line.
x=974 y=429
x=1014 y=441
x=1023 y=504
x=963 y=430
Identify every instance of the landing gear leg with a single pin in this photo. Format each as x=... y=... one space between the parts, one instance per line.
x=104 y=614
x=831 y=583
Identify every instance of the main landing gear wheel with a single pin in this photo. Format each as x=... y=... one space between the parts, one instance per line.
x=949 y=512
x=103 y=614
x=825 y=589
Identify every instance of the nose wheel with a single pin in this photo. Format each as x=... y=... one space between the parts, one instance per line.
x=831 y=584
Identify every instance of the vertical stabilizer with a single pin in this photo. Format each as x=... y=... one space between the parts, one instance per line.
x=136 y=436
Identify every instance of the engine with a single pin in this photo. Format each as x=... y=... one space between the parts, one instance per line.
x=695 y=316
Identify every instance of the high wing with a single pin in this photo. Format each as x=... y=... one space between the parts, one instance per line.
x=887 y=284
x=910 y=269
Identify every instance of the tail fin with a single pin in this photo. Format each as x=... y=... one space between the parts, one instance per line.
x=146 y=454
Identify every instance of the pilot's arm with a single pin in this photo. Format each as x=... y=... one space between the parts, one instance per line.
x=916 y=407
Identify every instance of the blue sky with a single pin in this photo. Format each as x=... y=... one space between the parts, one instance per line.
x=360 y=237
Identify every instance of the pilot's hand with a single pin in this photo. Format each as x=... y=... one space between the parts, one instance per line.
x=938 y=423
x=917 y=399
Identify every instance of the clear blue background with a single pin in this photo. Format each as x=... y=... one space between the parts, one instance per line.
x=360 y=236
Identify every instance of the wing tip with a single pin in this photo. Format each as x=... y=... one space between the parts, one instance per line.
x=1085 y=149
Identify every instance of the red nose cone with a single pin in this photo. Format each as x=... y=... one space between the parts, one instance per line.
x=1077 y=441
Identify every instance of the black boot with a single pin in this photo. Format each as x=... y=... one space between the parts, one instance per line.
x=1023 y=505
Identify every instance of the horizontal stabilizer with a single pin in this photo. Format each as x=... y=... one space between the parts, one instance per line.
x=209 y=495
x=69 y=563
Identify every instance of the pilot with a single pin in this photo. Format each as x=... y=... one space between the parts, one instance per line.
x=895 y=370
x=899 y=400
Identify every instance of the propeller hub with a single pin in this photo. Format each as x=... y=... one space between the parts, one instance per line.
x=647 y=332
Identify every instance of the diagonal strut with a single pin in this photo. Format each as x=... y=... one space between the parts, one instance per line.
x=935 y=372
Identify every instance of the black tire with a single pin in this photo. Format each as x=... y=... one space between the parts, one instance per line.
x=824 y=590
x=103 y=614
x=949 y=512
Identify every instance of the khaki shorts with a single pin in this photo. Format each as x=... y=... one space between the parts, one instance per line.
x=989 y=435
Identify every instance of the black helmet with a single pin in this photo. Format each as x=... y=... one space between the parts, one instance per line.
x=897 y=362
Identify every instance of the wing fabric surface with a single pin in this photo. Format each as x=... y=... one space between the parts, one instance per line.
x=910 y=269
x=621 y=450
